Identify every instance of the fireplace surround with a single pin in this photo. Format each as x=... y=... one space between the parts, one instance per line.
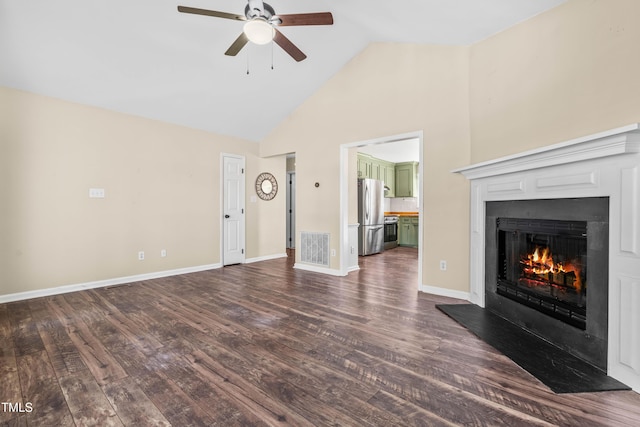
x=546 y=268
x=606 y=166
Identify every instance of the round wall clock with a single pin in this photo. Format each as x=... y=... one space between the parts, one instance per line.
x=266 y=186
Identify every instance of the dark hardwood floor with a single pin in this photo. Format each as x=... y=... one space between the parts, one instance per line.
x=264 y=344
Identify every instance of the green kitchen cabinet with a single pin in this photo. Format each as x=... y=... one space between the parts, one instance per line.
x=400 y=178
x=371 y=167
x=364 y=166
x=375 y=169
x=389 y=170
x=406 y=179
x=408 y=231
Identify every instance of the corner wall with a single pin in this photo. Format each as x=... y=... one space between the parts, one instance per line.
x=389 y=89
x=162 y=185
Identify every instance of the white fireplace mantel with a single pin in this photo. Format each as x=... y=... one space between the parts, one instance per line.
x=606 y=164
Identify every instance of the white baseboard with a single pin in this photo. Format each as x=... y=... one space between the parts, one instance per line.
x=264 y=258
x=353 y=268
x=315 y=269
x=103 y=283
x=434 y=290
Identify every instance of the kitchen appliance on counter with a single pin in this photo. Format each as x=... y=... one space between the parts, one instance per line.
x=370 y=216
x=390 y=231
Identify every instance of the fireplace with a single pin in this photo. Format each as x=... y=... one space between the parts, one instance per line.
x=605 y=165
x=546 y=269
x=543 y=265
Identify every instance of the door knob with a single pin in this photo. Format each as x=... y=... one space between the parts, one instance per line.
x=226 y=216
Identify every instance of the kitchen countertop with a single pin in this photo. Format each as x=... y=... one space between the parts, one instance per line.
x=402 y=213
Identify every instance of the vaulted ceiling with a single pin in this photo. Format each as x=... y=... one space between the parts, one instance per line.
x=144 y=58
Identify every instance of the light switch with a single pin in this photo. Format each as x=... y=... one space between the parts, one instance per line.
x=96 y=193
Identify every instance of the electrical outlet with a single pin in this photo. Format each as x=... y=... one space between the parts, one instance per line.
x=333 y=252
x=163 y=253
x=140 y=255
x=443 y=265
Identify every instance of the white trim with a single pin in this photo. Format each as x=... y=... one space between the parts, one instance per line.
x=443 y=292
x=622 y=140
x=353 y=268
x=344 y=211
x=323 y=270
x=104 y=283
x=264 y=258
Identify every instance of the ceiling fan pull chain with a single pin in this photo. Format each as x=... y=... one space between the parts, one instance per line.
x=248 y=61
x=272 y=54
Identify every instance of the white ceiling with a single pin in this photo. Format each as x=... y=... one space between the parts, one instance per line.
x=144 y=58
x=406 y=150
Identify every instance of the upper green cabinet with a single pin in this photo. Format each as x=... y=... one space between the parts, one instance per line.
x=400 y=178
x=406 y=179
x=364 y=166
x=370 y=167
x=390 y=179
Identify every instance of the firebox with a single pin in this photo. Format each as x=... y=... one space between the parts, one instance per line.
x=543 y=264
x=546 y=270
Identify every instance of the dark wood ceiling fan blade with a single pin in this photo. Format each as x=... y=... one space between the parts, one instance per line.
x=288 y=46
x=321 y=18
x=237 y=45
x=214 y=13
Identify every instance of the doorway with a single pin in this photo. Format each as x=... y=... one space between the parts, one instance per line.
x=291 y=210
x=345 y=185
x=233 y=218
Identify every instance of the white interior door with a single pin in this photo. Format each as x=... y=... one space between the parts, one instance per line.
x=233 y=218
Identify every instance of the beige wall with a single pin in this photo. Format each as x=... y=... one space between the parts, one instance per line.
x=266 y=219
x=569 y=72
x=162 y=192
x=389 y=89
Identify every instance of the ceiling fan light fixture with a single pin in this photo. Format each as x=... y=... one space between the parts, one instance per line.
x=259 y=31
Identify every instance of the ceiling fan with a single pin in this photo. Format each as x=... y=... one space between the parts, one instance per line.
x=260 y=25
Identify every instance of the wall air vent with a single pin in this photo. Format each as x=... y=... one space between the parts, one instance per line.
x=314 y=248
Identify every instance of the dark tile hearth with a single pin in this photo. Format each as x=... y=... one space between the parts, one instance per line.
x=557 y=369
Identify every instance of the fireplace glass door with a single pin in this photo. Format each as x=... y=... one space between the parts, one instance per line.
x=543 y=264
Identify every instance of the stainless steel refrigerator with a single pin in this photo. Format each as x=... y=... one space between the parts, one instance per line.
x=370 y=216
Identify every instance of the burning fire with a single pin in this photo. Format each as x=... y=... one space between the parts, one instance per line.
x=540 y=264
